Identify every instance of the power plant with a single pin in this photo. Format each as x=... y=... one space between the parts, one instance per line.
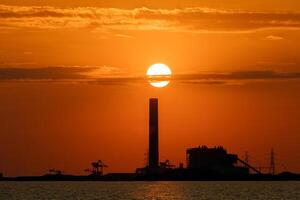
x=200 y=160
x=202 y=163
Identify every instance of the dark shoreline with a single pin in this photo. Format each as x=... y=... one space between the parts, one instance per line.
x=134 y=177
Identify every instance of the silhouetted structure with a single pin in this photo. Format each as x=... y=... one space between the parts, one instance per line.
x=246 y=157
x=214 y=160
x=272 y=162
x=203 y=163
x=166 y=165
x=154 y=167
x=97 y=168
x=153 y=134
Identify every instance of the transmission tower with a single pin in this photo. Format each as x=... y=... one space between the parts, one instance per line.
x=272 y=162
x=246 y=157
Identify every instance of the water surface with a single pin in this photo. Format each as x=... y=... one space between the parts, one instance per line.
x=149 y=190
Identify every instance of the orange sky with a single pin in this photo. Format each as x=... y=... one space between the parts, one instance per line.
x=72 y=87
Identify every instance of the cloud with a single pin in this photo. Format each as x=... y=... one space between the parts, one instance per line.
x=229 y=78
x=239 y=75
x=276 y=64
x=41 y=73
x=124 y=36
x=196 y=19
x=273 y=38
x=58 y=73
x=106 y=75
x=103 y=72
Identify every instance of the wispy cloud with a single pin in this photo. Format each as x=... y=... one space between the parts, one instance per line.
x=238 y=75
x=273 y=38
x=112 y=76
x=124 y=36
x=42 y=73
x=185 y=19
x=59 y=73
x=277 y=64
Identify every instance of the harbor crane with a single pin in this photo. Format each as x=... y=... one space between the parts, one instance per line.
x=97 y=168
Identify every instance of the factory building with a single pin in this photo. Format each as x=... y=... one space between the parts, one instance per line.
x=214 y=160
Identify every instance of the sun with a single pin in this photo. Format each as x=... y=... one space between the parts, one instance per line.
x=158 y=75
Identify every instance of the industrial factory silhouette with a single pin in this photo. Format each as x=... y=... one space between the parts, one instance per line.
x=202 y=163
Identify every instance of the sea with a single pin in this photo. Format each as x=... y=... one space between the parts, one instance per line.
x=150 y=190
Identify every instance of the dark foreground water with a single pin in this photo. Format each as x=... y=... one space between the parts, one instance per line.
x=149 y=190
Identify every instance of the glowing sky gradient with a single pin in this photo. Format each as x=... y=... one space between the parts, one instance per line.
x=73 y=86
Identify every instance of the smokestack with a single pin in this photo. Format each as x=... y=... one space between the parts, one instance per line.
x=153 y=133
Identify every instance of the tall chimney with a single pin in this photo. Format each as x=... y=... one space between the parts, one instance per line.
x=153 y=133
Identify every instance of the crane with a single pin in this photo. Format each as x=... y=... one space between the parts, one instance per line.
x=97 y=168
x=167 y=164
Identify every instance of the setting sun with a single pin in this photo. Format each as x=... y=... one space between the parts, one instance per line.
x=158 y=75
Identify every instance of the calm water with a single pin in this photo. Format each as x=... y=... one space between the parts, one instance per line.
x=149 y=190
